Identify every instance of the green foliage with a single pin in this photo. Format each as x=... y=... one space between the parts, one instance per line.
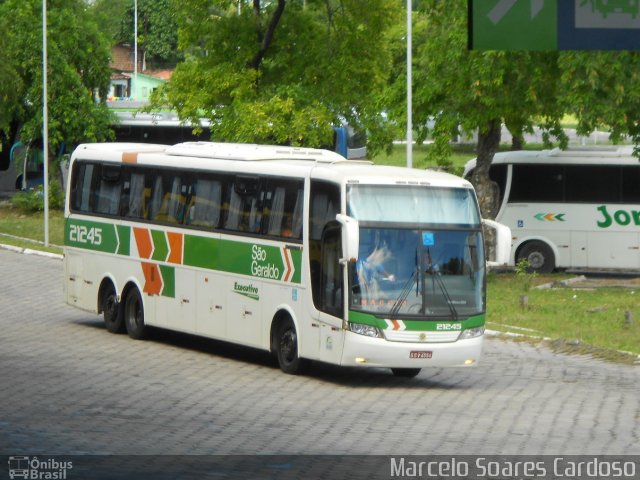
x=109 y=15
x=33 y=200
x=458 y=89
x=260 y=77
x=602 y=90
x=157 y=30
x=525 y=275
x=78 y=69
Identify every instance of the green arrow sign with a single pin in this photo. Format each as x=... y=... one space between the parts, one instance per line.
x=513 y=24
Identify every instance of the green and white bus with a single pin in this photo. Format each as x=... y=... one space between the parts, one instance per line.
x=576 y=209
x=296 y=251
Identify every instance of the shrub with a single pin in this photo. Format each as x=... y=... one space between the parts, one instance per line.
x=33 y=200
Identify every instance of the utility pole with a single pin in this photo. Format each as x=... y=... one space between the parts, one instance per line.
x=409 y=90
x=135 y=50
x=45 y=124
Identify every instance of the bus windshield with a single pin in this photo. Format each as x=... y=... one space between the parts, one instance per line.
x=433 y=269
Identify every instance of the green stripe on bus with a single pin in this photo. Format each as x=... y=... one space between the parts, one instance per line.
x=415 y=325
x=251 y=259
x=124 y=237
x=160 y=245
x=100 y=237
x=168 y=281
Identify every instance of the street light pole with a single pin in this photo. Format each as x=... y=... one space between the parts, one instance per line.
x=135 y=49
x=409 y=90
x=45 y=124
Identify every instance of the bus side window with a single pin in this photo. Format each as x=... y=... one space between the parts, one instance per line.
x=246 y=201
x=204 y=210
x=81 y=190
x=284 y=210
x=169 y=198
x=157 y=193
x=133 y=196
x=108 y=192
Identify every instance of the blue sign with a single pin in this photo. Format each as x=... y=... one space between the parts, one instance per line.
x=599 y=25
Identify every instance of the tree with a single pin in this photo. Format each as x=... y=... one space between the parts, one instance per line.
x=78 y=73
x=157 y=29
x=281 y=71
x=476 y=91
x=602 y=89
x=110 y=15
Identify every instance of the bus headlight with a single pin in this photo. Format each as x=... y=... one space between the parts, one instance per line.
x=471 y=333
x=366 y=330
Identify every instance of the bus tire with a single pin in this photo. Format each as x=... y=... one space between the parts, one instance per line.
x=539 y=255
x=286 y=347
x=405 y=372
x=111 y=309
x=134 y=315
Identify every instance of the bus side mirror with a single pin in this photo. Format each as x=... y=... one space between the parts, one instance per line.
x=350 y=238
x=502 y=242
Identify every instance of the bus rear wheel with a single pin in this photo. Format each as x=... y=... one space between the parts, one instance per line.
x=539 y=256
x=405 y=372
x=134 y=315
x=286 y=346
x=111 y=310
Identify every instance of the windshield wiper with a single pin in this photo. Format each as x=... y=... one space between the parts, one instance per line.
x=404 y=293
x=435 y=274
x=437 y=277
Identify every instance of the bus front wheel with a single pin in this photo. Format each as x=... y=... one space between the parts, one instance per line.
x=134 y=315
x=286 y=346
x=405 y=372
x=539 y=256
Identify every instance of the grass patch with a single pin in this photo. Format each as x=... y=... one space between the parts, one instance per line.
x=30 y=226
x=576 y=319
x=398 y=157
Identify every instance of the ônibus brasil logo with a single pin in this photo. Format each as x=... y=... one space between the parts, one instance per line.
x=35 y=468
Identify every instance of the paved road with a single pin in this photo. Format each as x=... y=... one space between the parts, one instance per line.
x=69 y=387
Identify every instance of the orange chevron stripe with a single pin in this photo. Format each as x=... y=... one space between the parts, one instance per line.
x=152 y=278
x=289 y=273
x=175 y=247
x=396 y=324
x=143 y=241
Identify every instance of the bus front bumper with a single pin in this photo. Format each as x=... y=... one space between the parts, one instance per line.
x=363 y=351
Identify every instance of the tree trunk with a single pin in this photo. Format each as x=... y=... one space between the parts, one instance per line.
x=517 y=142
x=486 y=189
x=265 y=38
x=488 y=142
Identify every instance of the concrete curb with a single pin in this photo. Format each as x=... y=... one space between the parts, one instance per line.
x=29 y=251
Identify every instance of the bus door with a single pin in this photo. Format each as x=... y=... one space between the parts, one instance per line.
x=331 y=294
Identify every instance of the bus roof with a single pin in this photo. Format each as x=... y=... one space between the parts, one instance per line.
x=259 y=159
x=252 y=152
x=619 y=155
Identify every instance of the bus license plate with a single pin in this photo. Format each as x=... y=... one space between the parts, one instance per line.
x=420 y=354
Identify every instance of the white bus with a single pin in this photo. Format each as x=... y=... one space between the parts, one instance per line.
x=578 y=208
x=295 y=251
